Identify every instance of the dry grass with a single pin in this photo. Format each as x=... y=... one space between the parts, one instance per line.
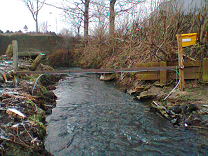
x=153 y=39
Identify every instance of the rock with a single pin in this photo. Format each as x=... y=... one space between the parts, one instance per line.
x=50 y=95
x=131 y=91
x=189 y=108
x=146 y=95
x=107 y=77
x=177 y=109
x=192 y=107
x=48 y=111
x=138 y=90
x=160 y=109
x=51 y=87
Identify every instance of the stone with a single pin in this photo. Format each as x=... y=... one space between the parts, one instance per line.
x=146 y=95
x=177 y=109
x=160 y=109
x=106 y=77
x=192 y=107
x=48 y=111
x=50 y=95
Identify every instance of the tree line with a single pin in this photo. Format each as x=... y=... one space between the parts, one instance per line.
x=81 y=12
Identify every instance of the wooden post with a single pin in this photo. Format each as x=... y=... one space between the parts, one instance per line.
x=15 y=61
x=163 y=73
x=205 y=70
x=180 y=62
x=37 y=61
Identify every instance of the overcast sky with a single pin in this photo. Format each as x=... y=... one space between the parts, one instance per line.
x=14 y=15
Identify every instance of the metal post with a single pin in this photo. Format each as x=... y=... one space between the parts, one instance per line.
x=15 y=61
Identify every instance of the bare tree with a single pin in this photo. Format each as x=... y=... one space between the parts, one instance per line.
x=78 y=12
x=34 y=6
x=112 y=18
x=121 y=7
x=44 y=27
x=86 y=18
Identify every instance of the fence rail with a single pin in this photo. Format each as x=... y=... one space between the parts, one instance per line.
x=192 y=70
x=99 y=71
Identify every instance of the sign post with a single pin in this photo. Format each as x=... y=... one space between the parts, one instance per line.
x=180 y=62
x=184 y=40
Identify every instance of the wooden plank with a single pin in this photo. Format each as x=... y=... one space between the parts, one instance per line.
x=189 y=70
x=190 y=73
x=97 y=71
x=32 y=53
x=180 y=61
x=187 y=76
x=187 y=63
x=15 y=61
x=163 y=74
x=150 y=64
x=205 y=70
x=153 y=76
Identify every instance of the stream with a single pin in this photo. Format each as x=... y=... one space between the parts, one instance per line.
x=95 y=118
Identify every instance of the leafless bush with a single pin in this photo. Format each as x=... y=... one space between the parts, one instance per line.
x=145 y=40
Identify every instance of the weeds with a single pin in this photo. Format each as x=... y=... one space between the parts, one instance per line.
x=143 y=40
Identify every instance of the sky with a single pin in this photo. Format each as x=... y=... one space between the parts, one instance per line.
x=14 y=15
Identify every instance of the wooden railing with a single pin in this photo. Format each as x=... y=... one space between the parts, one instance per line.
x=192 y=70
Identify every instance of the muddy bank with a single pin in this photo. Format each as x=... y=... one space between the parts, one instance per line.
x=187 y=108
x=24 y=108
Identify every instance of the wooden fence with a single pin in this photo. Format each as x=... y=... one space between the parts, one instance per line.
x=192 y=70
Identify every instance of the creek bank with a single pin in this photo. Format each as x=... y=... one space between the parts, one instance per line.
x=188 y=108
x=180 y=108
x=24 y=108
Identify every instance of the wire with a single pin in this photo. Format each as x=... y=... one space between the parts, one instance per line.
x=36 y=83
x=175 y=86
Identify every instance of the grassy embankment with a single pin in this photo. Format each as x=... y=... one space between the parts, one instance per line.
x=149 y=40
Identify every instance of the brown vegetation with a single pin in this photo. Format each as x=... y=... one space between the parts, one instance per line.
x=152 y=39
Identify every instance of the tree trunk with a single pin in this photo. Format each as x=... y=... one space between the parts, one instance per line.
x=36 y=19
x=112 y=18
x=86 y=19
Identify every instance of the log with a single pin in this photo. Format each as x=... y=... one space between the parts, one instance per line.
x=37 y=61
x=9 y=51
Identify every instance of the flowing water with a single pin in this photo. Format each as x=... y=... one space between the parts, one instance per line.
x=95 y=118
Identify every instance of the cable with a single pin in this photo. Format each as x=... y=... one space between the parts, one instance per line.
x=175 y=86
x=36 y=83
